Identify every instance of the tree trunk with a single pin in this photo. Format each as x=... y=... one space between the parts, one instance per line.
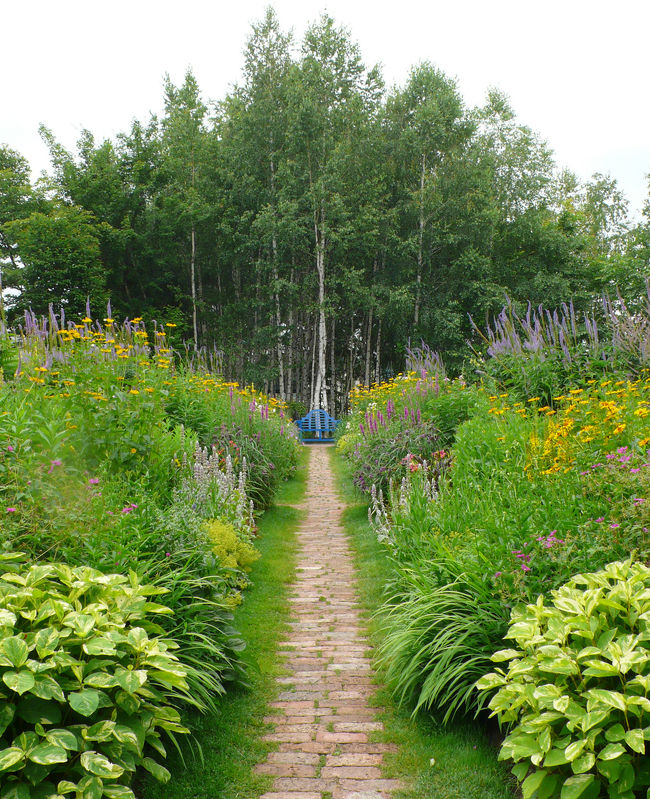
x=418 y=277
x=368 y=348
x=319 y=394
x=193 y=279
x=313 y=365
x=332 y=368
x=378 y=361
x=289 y=391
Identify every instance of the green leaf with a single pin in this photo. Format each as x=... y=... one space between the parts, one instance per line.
x=46 y=687
x=555 y=757
x=99 y=646
x=19 y=681
x=65 y=786
x=7 y=618
x=81 y=623
x=574 y=749
x=609 y=698
x=100 y=766
x=131 y=681
x=520 y=770
x=7 y=711
x=10 y=756
x=38 y=711
x=158 y=771
x=548 y=788
x=127 y=702
x=576 y=786
x=47 y=754
x=505 y=654
x=17 y=790
x=615 y=733
x=90 y=787
x=84 y=702
x=634 y=739
x=583 y=763
x=46 y=641
x=626 y=780
x=611 y=752
x=16 y=650
x=99 y=679
x=64 y=738
x=532 y=783
x=118 y=792
x=102 y=731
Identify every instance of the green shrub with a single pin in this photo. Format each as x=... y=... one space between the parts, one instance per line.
x=88 y=683
x=576 y=688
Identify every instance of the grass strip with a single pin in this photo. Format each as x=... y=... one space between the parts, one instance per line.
x=458 y=761
x=230 y=739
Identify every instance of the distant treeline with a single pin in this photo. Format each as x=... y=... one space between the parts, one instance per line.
x=312 y=223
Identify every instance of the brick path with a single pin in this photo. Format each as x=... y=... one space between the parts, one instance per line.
x=324 y=722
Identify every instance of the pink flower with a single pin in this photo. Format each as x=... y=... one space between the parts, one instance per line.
x=600 y=519
x=53 y=464
x=525 y=568
x=613 y=525
x=10 y=448
x=93 y=481
x=11 y=510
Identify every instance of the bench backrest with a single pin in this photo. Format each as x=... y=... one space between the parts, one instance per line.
x=317 y=421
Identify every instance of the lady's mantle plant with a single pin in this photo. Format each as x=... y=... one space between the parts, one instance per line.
x=87 y=684
x=575 y=692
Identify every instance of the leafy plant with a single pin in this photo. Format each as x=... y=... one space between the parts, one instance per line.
x=89 y=685
x=441 y=628
x=576 y=689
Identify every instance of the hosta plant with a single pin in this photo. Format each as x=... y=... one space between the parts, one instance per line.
x=87 y=684
x=575 y=690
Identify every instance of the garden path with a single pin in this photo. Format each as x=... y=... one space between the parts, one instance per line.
x=324 y=724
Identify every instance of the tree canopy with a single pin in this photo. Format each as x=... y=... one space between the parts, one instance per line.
x=311 y=223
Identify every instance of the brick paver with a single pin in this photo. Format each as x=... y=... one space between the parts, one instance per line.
x=323 y=724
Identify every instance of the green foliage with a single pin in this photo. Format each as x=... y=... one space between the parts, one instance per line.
x=232 y=552
x=575 y=691
x=441 y=626
x=90 y=686
x=61 y=253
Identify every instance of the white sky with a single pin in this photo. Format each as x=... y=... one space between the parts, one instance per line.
x=576 y=71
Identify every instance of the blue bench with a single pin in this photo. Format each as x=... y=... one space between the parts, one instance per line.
x=319 y=423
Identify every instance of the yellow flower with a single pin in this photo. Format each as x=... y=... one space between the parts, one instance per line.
x=619 y=428
x=170 y=324
x=134 y=391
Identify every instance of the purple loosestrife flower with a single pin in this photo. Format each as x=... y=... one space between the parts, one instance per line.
x=600 y=519
x=54 y=463
x=614 y=525
x=11 y=510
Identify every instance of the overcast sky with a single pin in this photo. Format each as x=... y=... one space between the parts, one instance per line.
x=576 y=71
